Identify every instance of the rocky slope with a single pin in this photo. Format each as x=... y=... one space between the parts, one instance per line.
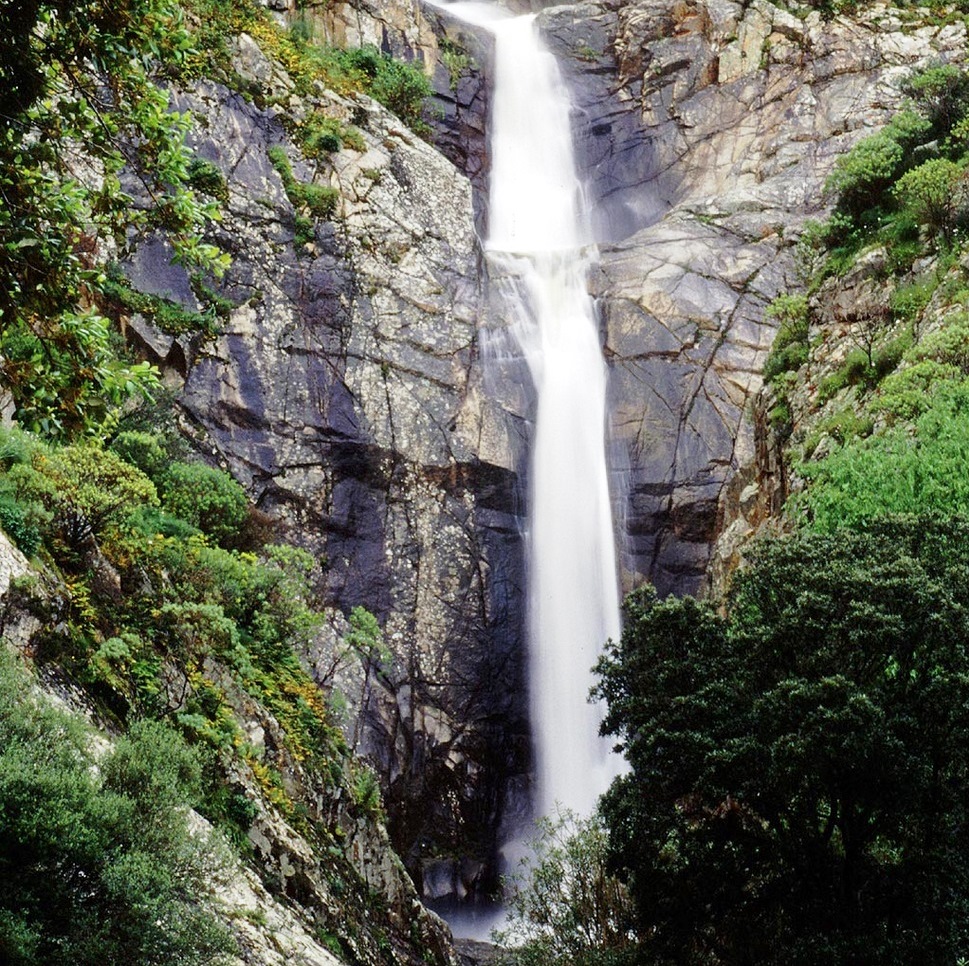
x=316 y=881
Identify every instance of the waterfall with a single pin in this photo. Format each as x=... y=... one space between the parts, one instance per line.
x=538 y=234
x=539 y=250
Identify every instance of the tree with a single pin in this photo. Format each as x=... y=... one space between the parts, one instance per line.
x=800 y=766
x=565 y=908
x=79 y=72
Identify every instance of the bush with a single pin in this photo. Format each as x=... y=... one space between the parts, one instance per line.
x=141 y=450
x=790 y=348
x=93 y=489
x=898 y=471
x=16 y=523
x=401 y=88
x=97 y=865
x=206 y=498
x=942 y=92
x=935 y=193
x=565 y=908
x=866 y=171
x=205 y=176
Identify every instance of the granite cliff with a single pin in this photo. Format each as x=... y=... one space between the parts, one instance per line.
x=355 y=390
x=353 y=396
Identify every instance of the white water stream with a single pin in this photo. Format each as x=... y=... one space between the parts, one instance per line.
x=540 y=250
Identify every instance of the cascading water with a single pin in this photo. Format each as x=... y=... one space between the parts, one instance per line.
x=538 y=235
x=539 y=252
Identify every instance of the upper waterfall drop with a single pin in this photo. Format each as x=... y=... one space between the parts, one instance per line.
x=539 y=251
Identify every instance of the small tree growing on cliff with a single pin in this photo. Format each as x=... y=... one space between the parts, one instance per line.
x=936 y=194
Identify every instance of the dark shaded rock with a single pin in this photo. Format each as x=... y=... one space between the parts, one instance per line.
x=345 y=393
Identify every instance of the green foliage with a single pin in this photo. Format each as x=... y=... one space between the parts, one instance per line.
x=206 y=498
x=97 y=865
x=319 y=135
x=897 y=471
x=565 y=908
x=365 y=637
x=93 y=489
x=318 y=200
x=942 y=92
x=790 y=348
x=908 y=301
x=169 y=316
x=948 y=345
x=79 y=73
x=456 y=59
x=143 y=451
x=206 y=177
x=798 y=787
x=862 y=175
x=16 y=522
x=935 y=193
x=400 y=87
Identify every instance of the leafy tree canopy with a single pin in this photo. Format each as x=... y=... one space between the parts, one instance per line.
x=798 y=790
x=79 y=72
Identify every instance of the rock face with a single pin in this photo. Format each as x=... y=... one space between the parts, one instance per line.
x=349 y=391
x=345 y=392
x=708 y=130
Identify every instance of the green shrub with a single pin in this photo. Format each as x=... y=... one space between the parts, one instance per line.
x=141 y=450
x=942 y=92
x=790 y=349
x=319 y=200
x=909 y=301
x=320 y=134
x=206 y=498
x=780 y=419
x=906 y=394
x=866 y=171
x=898 y=471
x=932 y=192
x=93 y=489
x=400 y=87
x=205 y=176
x=948 y=344
x=97 y=865
x=853 y=371
x=846 y=424
x=15 y=522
